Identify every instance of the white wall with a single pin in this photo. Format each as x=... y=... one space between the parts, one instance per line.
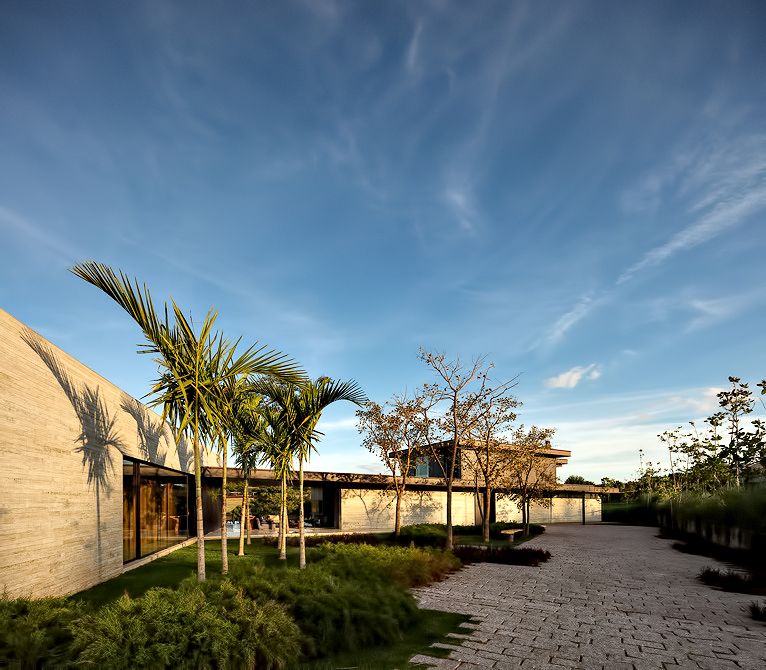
x=563 y=510
x=366 y=510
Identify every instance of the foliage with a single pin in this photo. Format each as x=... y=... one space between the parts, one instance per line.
x=424 y=534
x=296 y=412
x=530 y=476
x=434 y=626
x=486 y=457
x=451 y=408
x=333 y=614
x=266 y=500
x=577 y=479
x=734 y=582
x=504 y=555
x=633 y=512
x=194 y=368
x=406 y=566
x=496 y=529
x=725 y=452
x=195 y=626
x=398 y=434
x=434 y=534
x=37 y=633
x=743 y=508
x=757 y=611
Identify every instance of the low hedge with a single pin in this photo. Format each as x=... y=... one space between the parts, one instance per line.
x=350 y=597
x=435 y=534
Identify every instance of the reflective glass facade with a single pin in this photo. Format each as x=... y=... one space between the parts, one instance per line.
x=155 y=508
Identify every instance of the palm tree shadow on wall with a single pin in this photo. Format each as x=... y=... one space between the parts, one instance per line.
x=152 y=431
x=97 y=428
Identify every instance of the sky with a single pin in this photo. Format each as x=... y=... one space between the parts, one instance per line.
x=574 y=190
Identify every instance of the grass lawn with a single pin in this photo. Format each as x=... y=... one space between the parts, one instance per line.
x=434 y=627
x=171 y=570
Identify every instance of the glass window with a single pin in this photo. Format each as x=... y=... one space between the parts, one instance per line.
x=155 y=508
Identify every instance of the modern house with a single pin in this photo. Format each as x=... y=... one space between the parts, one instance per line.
x=92 y=482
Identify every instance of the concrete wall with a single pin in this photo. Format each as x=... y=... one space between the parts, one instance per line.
x=369 y=510
x=63 y=432
x=562 y=510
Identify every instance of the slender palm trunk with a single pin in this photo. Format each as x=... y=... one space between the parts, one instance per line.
x=247 y=499
x=283 y=521
x=301 y=512
x=244 y=519
x=200 y=521
x=224 y=525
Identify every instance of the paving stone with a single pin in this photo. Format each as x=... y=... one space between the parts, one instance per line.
x=611 y=597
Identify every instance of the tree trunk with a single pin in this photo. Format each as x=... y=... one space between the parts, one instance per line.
x=243 y=519
x=224 y=525
x=450 y=542
x=485 y=520
x=301 y=512
x=398 y=521
x=200 y=521
x=283 y=521
x=526 y=517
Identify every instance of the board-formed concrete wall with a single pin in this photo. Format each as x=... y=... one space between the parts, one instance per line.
x=562 y=510
x=374 y=511
x=63 y=432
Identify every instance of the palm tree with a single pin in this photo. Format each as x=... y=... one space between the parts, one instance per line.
x=279 y=454
x=193 y=368
x=300 y=408
x=248 y=434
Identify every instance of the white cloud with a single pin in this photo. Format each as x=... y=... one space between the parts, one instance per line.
x=725 y=215
x=724 y=184
x=414 y=48
x=458 y=199
x=565 y=322
x=704 y=403
x=572 y=378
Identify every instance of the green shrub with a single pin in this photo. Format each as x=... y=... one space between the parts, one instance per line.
x=334 y=614
x=734 y=582
x=316 y=540
x=504 y=555
x=188 y=628
x=757 y=611
x=423 y=534
x=633 y=513
x=406 y=566
x=37 y=633
x=435 y=534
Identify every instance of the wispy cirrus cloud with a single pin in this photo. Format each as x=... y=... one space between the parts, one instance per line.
x=573 y=377
x=581 y=309
x=34 y=234
x=723 y=187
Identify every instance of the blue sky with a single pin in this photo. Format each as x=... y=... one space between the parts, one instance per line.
x=576 y=190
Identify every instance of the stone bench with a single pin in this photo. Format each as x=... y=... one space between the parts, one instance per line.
x=511 y=533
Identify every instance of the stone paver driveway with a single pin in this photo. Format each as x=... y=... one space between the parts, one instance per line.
x=611 y=598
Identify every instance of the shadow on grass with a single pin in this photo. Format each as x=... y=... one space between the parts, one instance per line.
x=434 y=626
